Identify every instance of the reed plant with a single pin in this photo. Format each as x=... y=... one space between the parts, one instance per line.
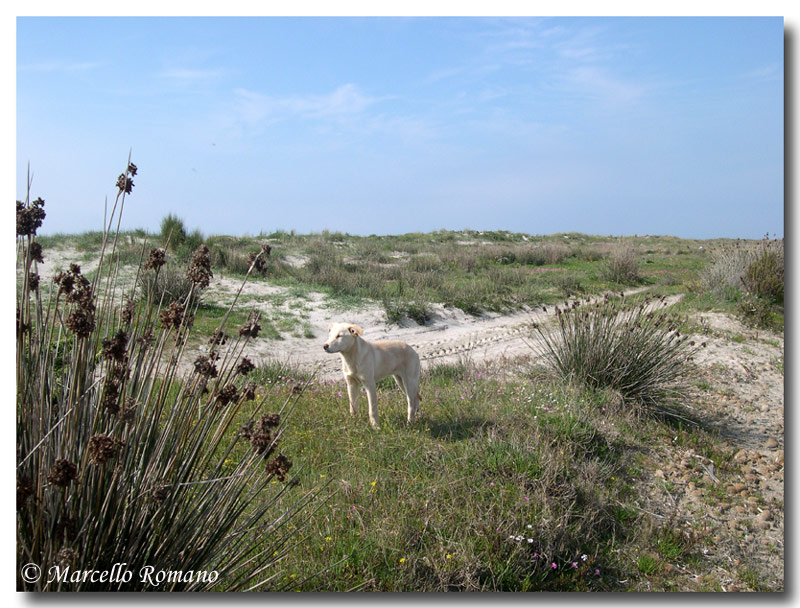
x=123 y=457
x=632 y=347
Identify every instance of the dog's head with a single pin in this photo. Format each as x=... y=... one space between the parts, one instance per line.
x=341 y=337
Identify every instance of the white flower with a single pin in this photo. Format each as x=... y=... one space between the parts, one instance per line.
x=584 y=557
x=529 y=526
x=530 y=541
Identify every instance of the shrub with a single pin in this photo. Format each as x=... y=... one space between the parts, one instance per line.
x=229 y=258
x=632 y=348
x=173 y=232
x=190 y=243
x=759 y=312
x=554 y=253
x=622 y=264
x=764 y=275
x=725 y=275
x=396 y=308
x=167 y=285
x=122 y=457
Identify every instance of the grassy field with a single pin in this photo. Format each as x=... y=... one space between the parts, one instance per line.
x=510 y=481
x=513 y=478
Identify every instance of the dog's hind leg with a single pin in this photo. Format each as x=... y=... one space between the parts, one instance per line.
x=412 y=396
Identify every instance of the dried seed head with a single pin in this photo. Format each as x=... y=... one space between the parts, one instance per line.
x=279 y=467
x=205 y=367
x=245 y=366
x=65 y=281
x=270 y=420
x=36 y=252
x=110 y=400
x=124 y=183
x=250 y=329
x=257 y=259
x=259 y=433
x=29 y=217
x=33 y=281
x=219 y=337
x=81 y=322
x=129 y=410
x=62 y=473
x=102 y=448
x=249 y=391
x=172 y=316
x=115 y=347
x=132 y=169
x=199 y=271
x=155 y=259
x=227 y=394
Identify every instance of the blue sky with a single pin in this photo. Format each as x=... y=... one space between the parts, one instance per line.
x=391 y=125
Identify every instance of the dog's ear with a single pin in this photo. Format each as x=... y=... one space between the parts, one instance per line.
x=356 y=330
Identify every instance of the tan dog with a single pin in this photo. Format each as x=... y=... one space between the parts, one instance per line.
x=365 y=363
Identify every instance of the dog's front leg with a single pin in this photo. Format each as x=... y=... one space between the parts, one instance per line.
x=353 y=393
x=372 y=399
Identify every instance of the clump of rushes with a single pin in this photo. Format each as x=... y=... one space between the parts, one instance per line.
x=123 y=457
x=634 y=348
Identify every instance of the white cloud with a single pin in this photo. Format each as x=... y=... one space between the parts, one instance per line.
x=767 y=72
x=598 y=84
x=190 y=76
x=346 y=100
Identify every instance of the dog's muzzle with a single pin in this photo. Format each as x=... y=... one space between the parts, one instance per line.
x=325 y=346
